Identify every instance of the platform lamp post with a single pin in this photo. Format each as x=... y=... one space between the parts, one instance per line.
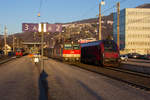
x=42 y=30
x=100 y=26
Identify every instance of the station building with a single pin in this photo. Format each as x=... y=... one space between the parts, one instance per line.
x=134 y=30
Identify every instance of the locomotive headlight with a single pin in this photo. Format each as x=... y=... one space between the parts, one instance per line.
x=103 y=55
x=106 y=59
x=66 y=58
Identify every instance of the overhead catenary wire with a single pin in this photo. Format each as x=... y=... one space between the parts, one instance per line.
x=40 y=7
x=114 y=6
x=39 y=12
x=87 y=12
x=41 y=2
x=104 y=11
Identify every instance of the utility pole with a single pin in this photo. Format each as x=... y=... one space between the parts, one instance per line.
x=100 y=31
x=100 y=18
x=5 y=40
x=118 y=22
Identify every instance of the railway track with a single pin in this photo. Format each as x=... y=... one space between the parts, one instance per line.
x=136 y=79
x=6 y=59
x=129 y=71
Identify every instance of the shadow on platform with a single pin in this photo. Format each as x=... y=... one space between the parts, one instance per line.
x=43 y=86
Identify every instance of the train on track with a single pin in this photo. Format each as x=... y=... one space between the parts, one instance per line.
x=19 y=52
x=103 y=52
x=66 y=52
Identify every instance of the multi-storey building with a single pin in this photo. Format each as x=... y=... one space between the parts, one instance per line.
x=134 y=30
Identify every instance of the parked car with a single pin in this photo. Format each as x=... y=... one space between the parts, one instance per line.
x=147 y=56
x=134 y=55
x=129 y=55
x=124 y=57
x=142 y=57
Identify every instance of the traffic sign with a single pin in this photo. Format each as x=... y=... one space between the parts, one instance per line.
x=35 y=27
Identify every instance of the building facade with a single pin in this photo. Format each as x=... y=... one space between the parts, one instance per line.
x=134 y=30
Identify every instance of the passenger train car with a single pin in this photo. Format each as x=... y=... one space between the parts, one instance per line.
x=65 y=52
x=103 y=52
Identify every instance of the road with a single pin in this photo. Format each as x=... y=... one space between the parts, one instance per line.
x=18 y=80
x=67 y=82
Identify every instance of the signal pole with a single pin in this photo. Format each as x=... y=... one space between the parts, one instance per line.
x=5 y=40
x=118 y=27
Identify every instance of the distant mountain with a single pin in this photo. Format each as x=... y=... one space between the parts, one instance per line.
x=144 y=6
x=93 y=20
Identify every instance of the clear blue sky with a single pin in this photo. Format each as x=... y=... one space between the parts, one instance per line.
x=14 y=12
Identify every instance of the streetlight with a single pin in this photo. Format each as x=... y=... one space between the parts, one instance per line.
x=100 y=27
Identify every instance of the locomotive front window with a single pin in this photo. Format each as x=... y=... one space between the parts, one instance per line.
x=76 y=47
x=68 y=46
x=110 y=46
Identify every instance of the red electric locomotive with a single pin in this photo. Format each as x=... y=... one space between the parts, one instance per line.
x=65 y=52
x=71 y=52
x=103 y=52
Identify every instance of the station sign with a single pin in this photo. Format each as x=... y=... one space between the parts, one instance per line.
x=35 y=27
x=30 y=27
